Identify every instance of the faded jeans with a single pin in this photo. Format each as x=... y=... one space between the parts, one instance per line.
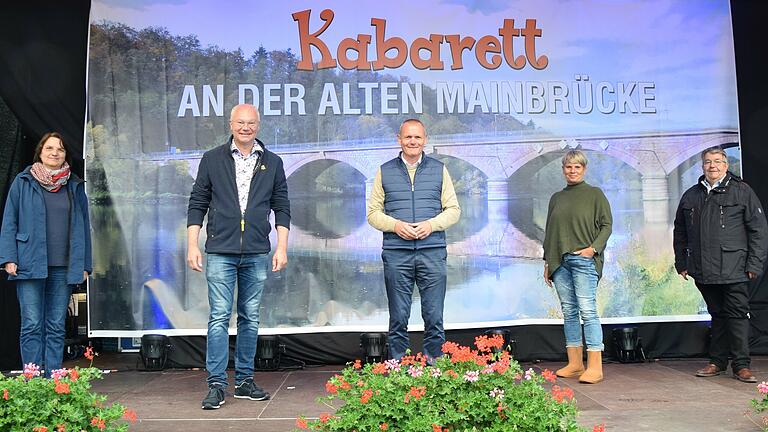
x=43 y=304
x=223 y=271
x=576 y=284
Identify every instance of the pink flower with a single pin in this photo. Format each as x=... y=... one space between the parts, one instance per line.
x=392 y=364
x=59 y=373
x=487 y=370
x=529 y=374
x=436 y=372
x=496 y=393
x=31 y=370
x=763 y=387
x=415 y=371
x=471 y=376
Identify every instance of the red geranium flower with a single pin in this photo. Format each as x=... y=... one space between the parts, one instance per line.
x=129 y=415
x=61 y=387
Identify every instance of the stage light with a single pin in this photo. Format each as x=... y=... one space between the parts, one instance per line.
x=628 y=345
x=374 y=347
x=269 y=352
x=509 y=343
x=154 y=351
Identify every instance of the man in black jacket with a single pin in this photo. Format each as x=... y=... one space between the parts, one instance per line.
x=720 y=241
x=238 y=184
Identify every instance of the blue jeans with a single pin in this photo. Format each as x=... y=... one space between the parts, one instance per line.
x=223 y=271
x=43 y=304
x=576 y=284
x=426 y=269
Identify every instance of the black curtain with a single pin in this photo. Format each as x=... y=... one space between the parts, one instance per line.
x=42 y=88
x=749 y=19
x=43 y=52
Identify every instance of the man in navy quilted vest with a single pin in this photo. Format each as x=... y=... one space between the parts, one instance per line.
x=413 y=202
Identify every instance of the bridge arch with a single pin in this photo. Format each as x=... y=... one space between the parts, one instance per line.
x=327 y=198
x=692 y=152
x=295 y=164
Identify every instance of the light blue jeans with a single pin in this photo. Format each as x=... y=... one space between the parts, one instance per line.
x=576 y=284
x=223 y=271
x=43 y=304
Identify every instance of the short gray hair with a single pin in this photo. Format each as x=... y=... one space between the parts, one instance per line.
x=716 y=150
x=412 y=120
x=575 y=156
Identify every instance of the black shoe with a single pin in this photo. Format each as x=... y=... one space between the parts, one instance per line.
x=214 y=399
x=249 y=390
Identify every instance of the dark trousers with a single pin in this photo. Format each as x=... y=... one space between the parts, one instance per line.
x=425 y=268
x=728 y=304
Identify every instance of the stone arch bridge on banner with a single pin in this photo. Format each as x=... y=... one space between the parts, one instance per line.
x=500 y=155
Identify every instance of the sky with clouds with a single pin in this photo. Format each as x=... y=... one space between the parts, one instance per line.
x=682 y=46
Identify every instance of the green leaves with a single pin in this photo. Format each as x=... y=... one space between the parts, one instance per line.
x=463 y=391
x=29 y=403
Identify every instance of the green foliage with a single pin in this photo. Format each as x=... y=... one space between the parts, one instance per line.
x=646 y=282
x=760 y=405
x=49 y=405
x=465 y=390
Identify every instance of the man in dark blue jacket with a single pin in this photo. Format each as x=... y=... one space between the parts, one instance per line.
x=412 y=202
x=720 y=241
x=237 y=185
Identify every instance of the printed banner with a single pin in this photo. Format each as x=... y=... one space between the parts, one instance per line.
x=504 y=89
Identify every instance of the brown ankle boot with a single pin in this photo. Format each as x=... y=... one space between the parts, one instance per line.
x=575 y=366
x=594 y=372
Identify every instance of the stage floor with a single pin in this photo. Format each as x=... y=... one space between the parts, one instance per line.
x=657 y=396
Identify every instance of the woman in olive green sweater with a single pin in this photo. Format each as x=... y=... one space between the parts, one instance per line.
x=578 y=226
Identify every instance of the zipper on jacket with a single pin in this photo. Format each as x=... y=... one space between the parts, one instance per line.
x=413 y=193
x=722 y=222
x=242 y=231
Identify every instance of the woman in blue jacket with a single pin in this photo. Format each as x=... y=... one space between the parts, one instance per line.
x=45 y=245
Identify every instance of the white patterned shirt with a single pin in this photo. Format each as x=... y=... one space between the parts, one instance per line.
x=244 y=168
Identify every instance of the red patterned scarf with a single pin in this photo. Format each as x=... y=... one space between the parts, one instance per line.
x=51 y=180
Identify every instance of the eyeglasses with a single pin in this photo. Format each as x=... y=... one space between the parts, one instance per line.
x=240 y=123
x=714 y=162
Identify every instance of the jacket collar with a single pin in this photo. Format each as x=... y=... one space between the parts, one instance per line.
x=259 y=146
x=724 y=183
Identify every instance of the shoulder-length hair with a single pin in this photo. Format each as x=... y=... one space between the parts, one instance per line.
x=39 y=148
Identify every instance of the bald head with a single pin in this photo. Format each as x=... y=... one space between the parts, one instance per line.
x=244 y=123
